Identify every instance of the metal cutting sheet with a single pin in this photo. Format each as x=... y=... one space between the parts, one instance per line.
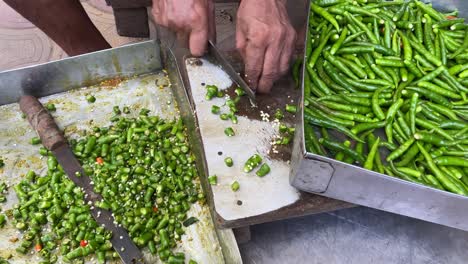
x=256 y=195
x=75 y=115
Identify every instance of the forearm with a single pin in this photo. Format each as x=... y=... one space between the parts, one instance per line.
x=64 y=21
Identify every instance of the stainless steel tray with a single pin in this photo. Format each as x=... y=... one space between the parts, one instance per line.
x=331 y=178
x=59 y=82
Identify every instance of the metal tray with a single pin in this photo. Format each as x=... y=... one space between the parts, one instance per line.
x=331 y=178
x=131 y=72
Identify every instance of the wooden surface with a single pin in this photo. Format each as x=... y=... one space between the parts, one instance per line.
x=22 y=44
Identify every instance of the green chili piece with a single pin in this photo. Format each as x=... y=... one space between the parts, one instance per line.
x=412 y=112
x=35 y=141
x=291 y=108
x=312 y=143
x=2 y=220
x=451 y=161
x=339 y=147
x=213 y=180
x=228 y=161
x=400 y=150
x=229 y=131
x=252 y=163
x=318 y=50
x=369 y=163
x=279 y=114
x=411 y=172
x=323 y=12
x=375 y=104
x=190 y=221
x=447 y=182
x=263 y=170
x=224 y=116
x=50 y=107
x=215 y=109
x=436 y=89
x=235 y=186
x=336 y=46
x=90 y=98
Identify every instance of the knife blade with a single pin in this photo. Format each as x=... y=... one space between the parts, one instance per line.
x=227 y=67
x=178 y=46
x=53 y=139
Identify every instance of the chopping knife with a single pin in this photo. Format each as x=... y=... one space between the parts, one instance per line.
x=227 y=67
x=177 y=45
x=52 y=138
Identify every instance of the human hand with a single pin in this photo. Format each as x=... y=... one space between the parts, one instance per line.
x=192 y=17
x=265 y=39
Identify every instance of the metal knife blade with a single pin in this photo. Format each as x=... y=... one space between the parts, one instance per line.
x=121 y=241
x=227 y=67
x=178 y=46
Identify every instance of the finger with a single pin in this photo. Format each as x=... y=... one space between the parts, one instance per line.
x=198 y=31
x=198 y=40
x=161 y=18
x=271 y=65
x=156 y=11
x=254 y=57
x=159 y=13
x=287 y=51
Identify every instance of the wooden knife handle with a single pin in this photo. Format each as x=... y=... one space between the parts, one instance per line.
x=42 y=122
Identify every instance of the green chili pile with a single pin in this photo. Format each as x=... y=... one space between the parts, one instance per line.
x=145 y=172
x=3 y=190
x=396 y=67
x=213 y=91
x=55 y=220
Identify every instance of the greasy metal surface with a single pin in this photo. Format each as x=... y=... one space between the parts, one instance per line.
x=71 y=73
x=252 y=135
x=313 y=176
x=227 y=67
x=356 y=185
x=355 y=236
x=74 y=115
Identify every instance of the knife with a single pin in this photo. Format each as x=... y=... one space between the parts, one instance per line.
x=52 y=138
x=178 y=46
x=227 y=67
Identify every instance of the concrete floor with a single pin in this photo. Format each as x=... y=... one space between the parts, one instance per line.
x=358 y=235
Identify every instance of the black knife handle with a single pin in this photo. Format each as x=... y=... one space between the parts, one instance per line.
x=42 y=122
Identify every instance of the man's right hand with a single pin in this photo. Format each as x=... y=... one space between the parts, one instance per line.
x=265 y=39
x=192 y=17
